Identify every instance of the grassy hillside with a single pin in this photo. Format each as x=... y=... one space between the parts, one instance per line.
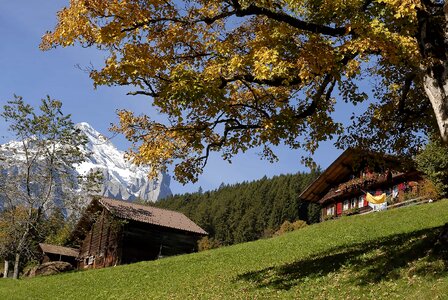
x=387 y=255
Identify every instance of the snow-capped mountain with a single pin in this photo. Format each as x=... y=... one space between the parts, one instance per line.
x=121 y=178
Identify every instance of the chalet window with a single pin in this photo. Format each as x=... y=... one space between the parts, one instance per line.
x=346 y=205
x=330 y=210
x=353 y=203
x=361 y=201
x=91 y=260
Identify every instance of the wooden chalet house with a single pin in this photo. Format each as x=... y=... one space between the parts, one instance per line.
x=113 y=232
x=341 y=188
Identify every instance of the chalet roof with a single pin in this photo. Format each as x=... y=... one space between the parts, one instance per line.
x=339 y=171
x=150 y=215
x=54 y=249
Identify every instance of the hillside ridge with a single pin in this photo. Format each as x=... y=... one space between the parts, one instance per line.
x=385 y=255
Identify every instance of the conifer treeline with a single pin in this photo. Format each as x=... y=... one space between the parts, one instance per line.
x=247 y=211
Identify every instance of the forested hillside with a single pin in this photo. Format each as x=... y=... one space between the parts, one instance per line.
x=247 y=211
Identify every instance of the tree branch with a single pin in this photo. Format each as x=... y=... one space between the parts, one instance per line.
x=151 y=94
x=431 y=3
x=252 y=10
x=290 y=20
x=223 y=139
x=274 y=82
x=312 y=107
x=406 y=87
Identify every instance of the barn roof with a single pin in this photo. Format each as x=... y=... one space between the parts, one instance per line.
x=54 y=249
x=341 y=169
x=150 y=215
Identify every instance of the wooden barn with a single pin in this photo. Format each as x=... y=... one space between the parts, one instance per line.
x=341 y=189
x=113 y=232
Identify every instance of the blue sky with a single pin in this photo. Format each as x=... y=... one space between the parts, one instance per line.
x=33 y=74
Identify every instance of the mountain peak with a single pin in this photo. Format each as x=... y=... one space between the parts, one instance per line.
x=86 y=128
x=91 y=132
x=122 y=179
x=82 y=125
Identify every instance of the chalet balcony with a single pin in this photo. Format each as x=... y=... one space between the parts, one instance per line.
x=357 y=186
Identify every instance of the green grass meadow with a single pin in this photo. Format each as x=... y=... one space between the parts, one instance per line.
x=384 y=255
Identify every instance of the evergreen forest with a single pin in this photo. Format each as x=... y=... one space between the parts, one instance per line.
x=247 y=211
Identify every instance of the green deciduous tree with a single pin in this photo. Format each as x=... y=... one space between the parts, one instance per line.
x=37 y=171
x=433 y=161
x=236 y=74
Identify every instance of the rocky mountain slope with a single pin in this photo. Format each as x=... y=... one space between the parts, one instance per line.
x=121 y=179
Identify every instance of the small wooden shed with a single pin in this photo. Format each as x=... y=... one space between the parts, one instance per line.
x=113 y=232
x=59 y=253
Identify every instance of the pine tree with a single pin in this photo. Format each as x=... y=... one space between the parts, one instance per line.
x=247 y=211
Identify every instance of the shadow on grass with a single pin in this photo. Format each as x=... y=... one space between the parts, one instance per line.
x=366 y=263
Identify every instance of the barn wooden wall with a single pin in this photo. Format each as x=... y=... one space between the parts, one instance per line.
x=102 y=245
x=112 y=241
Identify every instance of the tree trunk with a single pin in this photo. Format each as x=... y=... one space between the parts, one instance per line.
x=436 y=88
x=22 y=243
x=6 y=269
x=16 y=266
x=432 y=39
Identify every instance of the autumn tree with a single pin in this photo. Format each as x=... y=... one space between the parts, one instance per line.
x=37 y=172
x=231 y=75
